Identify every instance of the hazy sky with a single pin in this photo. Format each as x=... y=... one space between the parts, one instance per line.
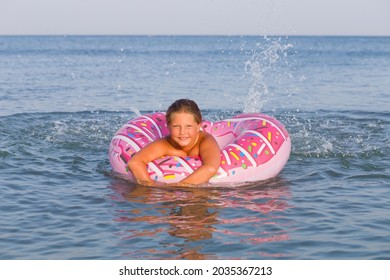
x=204 y=17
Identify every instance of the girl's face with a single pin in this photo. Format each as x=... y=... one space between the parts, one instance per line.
x=184 y=129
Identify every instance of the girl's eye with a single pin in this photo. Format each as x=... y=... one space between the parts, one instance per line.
x=178 y=126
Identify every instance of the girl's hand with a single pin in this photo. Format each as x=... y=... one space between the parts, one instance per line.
x=149 y=183
x=181 y=184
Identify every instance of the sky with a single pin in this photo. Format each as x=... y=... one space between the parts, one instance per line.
x=195 y=17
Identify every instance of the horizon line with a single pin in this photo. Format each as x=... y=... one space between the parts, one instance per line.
x=193 y=35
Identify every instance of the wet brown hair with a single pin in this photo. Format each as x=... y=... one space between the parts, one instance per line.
x=184 y=105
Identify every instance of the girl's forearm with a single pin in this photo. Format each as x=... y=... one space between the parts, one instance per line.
x=202 y=175
x=140 y=173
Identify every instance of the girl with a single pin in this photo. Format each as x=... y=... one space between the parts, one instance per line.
x=185 y=139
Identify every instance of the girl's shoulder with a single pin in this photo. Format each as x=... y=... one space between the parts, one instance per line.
x=205 y=136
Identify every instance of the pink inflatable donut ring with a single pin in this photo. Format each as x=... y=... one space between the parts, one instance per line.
x=254 y=147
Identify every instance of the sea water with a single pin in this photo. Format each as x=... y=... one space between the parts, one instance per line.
x=62 y=98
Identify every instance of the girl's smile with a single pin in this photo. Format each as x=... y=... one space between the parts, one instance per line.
x=184 y=130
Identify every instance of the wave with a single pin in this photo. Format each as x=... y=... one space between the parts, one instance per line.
x=324 y=134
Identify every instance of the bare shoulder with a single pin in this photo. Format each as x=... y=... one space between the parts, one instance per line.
x=153 y=150
x=208 y=141
x=210 y=152
x=161 y=144
x=207 y=137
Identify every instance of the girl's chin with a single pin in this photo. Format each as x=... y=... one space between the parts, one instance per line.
x=183 y=144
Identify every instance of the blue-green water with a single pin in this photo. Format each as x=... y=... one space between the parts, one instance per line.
x=63 y=98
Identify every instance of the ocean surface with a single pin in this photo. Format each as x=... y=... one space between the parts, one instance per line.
x=62 y=98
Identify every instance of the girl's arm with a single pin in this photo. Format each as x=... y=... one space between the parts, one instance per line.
x=137 y=164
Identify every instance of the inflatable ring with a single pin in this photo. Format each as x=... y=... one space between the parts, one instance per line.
x=253 y=147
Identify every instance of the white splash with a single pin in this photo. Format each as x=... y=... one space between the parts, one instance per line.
x=263 y=64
